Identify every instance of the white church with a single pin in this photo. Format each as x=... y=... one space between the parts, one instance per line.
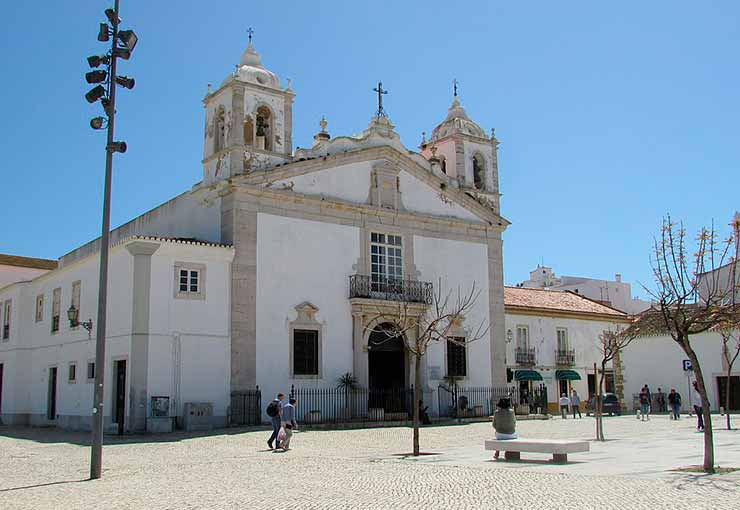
x=269 y=272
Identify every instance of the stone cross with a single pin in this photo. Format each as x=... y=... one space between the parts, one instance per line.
x=250 y=31
x=454 y=86
x=381 y=92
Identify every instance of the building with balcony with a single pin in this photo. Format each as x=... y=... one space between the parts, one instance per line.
x=321 y=241
x=553 y=340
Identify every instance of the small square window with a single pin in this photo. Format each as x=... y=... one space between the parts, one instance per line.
x=72 y=375
x=90 y=370
x=189 y=280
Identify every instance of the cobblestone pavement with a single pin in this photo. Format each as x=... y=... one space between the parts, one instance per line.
x=233 y=469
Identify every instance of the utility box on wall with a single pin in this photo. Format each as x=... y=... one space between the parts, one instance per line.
x=197 y=416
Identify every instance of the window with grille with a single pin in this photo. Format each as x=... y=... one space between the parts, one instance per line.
x=39 y=308
x=386 y=260
x=190 y=280
x=56 y=303
x=305 y=352
x=6 y=320
x=456 y=357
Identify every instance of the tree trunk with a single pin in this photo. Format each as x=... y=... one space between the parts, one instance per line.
x=708 y=437
x=601 y=404
x=417 y=397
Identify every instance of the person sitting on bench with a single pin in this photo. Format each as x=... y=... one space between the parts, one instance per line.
x=504 y=422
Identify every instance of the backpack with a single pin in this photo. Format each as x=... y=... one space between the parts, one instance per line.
x=273 y=409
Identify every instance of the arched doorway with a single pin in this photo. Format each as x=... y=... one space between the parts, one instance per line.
x=386 y=369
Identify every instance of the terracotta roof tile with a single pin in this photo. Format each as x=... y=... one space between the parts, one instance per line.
x=30 y=262
x=555 y=300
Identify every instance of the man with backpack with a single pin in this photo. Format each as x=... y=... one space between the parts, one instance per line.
x=275 y=412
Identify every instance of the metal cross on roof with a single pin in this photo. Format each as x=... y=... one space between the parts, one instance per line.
x=454 y=86
x=381 y=92
x=250 y=31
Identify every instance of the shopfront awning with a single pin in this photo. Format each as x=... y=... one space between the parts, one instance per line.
x=567 y=375
x=527 y=375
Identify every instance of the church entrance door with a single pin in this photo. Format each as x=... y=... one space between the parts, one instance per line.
x=386 y=370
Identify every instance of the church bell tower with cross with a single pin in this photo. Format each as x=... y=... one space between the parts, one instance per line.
x=248 y=120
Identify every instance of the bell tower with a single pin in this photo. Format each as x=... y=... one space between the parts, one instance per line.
x=248 y=121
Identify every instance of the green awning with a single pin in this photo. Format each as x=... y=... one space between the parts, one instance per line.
x=527 y=375
x=568 y=375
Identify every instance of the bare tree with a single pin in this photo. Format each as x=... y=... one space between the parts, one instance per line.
x=420 y=326
x=611 y=343
x=690 y=298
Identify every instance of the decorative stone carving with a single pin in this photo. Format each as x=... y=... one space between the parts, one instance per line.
x=385 y=186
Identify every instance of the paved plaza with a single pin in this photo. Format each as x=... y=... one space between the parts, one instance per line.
x=232 y=469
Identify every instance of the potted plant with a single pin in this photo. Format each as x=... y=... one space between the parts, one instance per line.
x=348 y=383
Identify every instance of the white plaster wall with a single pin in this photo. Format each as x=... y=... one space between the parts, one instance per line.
x=12 y=274
x=297 y=261
x=348 y=182
x=583 y=338
x=447 y=149
x=658 y=362
x=459 y=264
x=418 y=197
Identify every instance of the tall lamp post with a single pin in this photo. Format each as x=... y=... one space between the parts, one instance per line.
x=122 y=44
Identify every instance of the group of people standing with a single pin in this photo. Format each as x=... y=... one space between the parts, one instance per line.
x=574 y=402
x=674 y=401
x=283 y=420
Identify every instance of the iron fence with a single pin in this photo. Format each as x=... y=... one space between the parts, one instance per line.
x=246 y=407
x=462 y=402
x=390 y=289
x=347 y=405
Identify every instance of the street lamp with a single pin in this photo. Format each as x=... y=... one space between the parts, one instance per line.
x=107 y=97
x=73 y=315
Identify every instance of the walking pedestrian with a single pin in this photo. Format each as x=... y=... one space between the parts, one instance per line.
x=660 y=400
x=288 y=422
x=674 y=399
x=698 y=408
x=275 y=411
x=575 y=401
x=644 y=404
x=650 y=401
x=564 y=403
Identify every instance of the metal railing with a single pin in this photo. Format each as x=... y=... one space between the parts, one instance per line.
x=348 y=405
x=525 y=356
x=390 y=289
x=246 y=407
x=565 y=357
x=465 y=402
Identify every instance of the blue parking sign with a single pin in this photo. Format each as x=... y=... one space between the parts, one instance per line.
x=687 y=367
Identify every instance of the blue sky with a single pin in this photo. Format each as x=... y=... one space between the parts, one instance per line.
x=610 y=114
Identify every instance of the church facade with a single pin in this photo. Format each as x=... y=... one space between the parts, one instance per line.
x=271 y=270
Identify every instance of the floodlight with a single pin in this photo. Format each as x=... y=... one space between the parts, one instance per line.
x=118 y=147
x=97 y=60
x=123 y=53
x=97 y=122
x=97 y=76
x=103 y=33
x=95 y=94
x=125 y=82
x=128 y=37
x=111 y=15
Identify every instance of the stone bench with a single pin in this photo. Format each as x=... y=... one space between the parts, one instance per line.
x=560 y=448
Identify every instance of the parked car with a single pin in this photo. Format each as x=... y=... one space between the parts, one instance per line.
x=609 y=405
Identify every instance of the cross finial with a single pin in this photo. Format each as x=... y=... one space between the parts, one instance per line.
x=381 y=92
x=454 y=86
x=250 y=31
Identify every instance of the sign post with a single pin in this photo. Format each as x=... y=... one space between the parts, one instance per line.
x=689 y=369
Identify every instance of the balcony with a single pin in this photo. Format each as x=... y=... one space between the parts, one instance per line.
x=525 y=356
x=361 y=286
x=565 y=358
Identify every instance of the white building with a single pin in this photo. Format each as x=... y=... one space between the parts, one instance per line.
x=553 y=339
x=615 y=293
x=269 y=272
x=19 y=269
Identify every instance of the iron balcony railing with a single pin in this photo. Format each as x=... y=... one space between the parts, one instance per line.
x=389 y=289
x=525 y=356
x=565 y=357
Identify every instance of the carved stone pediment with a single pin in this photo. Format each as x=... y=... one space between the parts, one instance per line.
x=306 y=313
x=385 y=188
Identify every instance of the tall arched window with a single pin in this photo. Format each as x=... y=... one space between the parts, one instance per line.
x=264 y=128
x=443 y=164
x=479 y=171
x=220 y=131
